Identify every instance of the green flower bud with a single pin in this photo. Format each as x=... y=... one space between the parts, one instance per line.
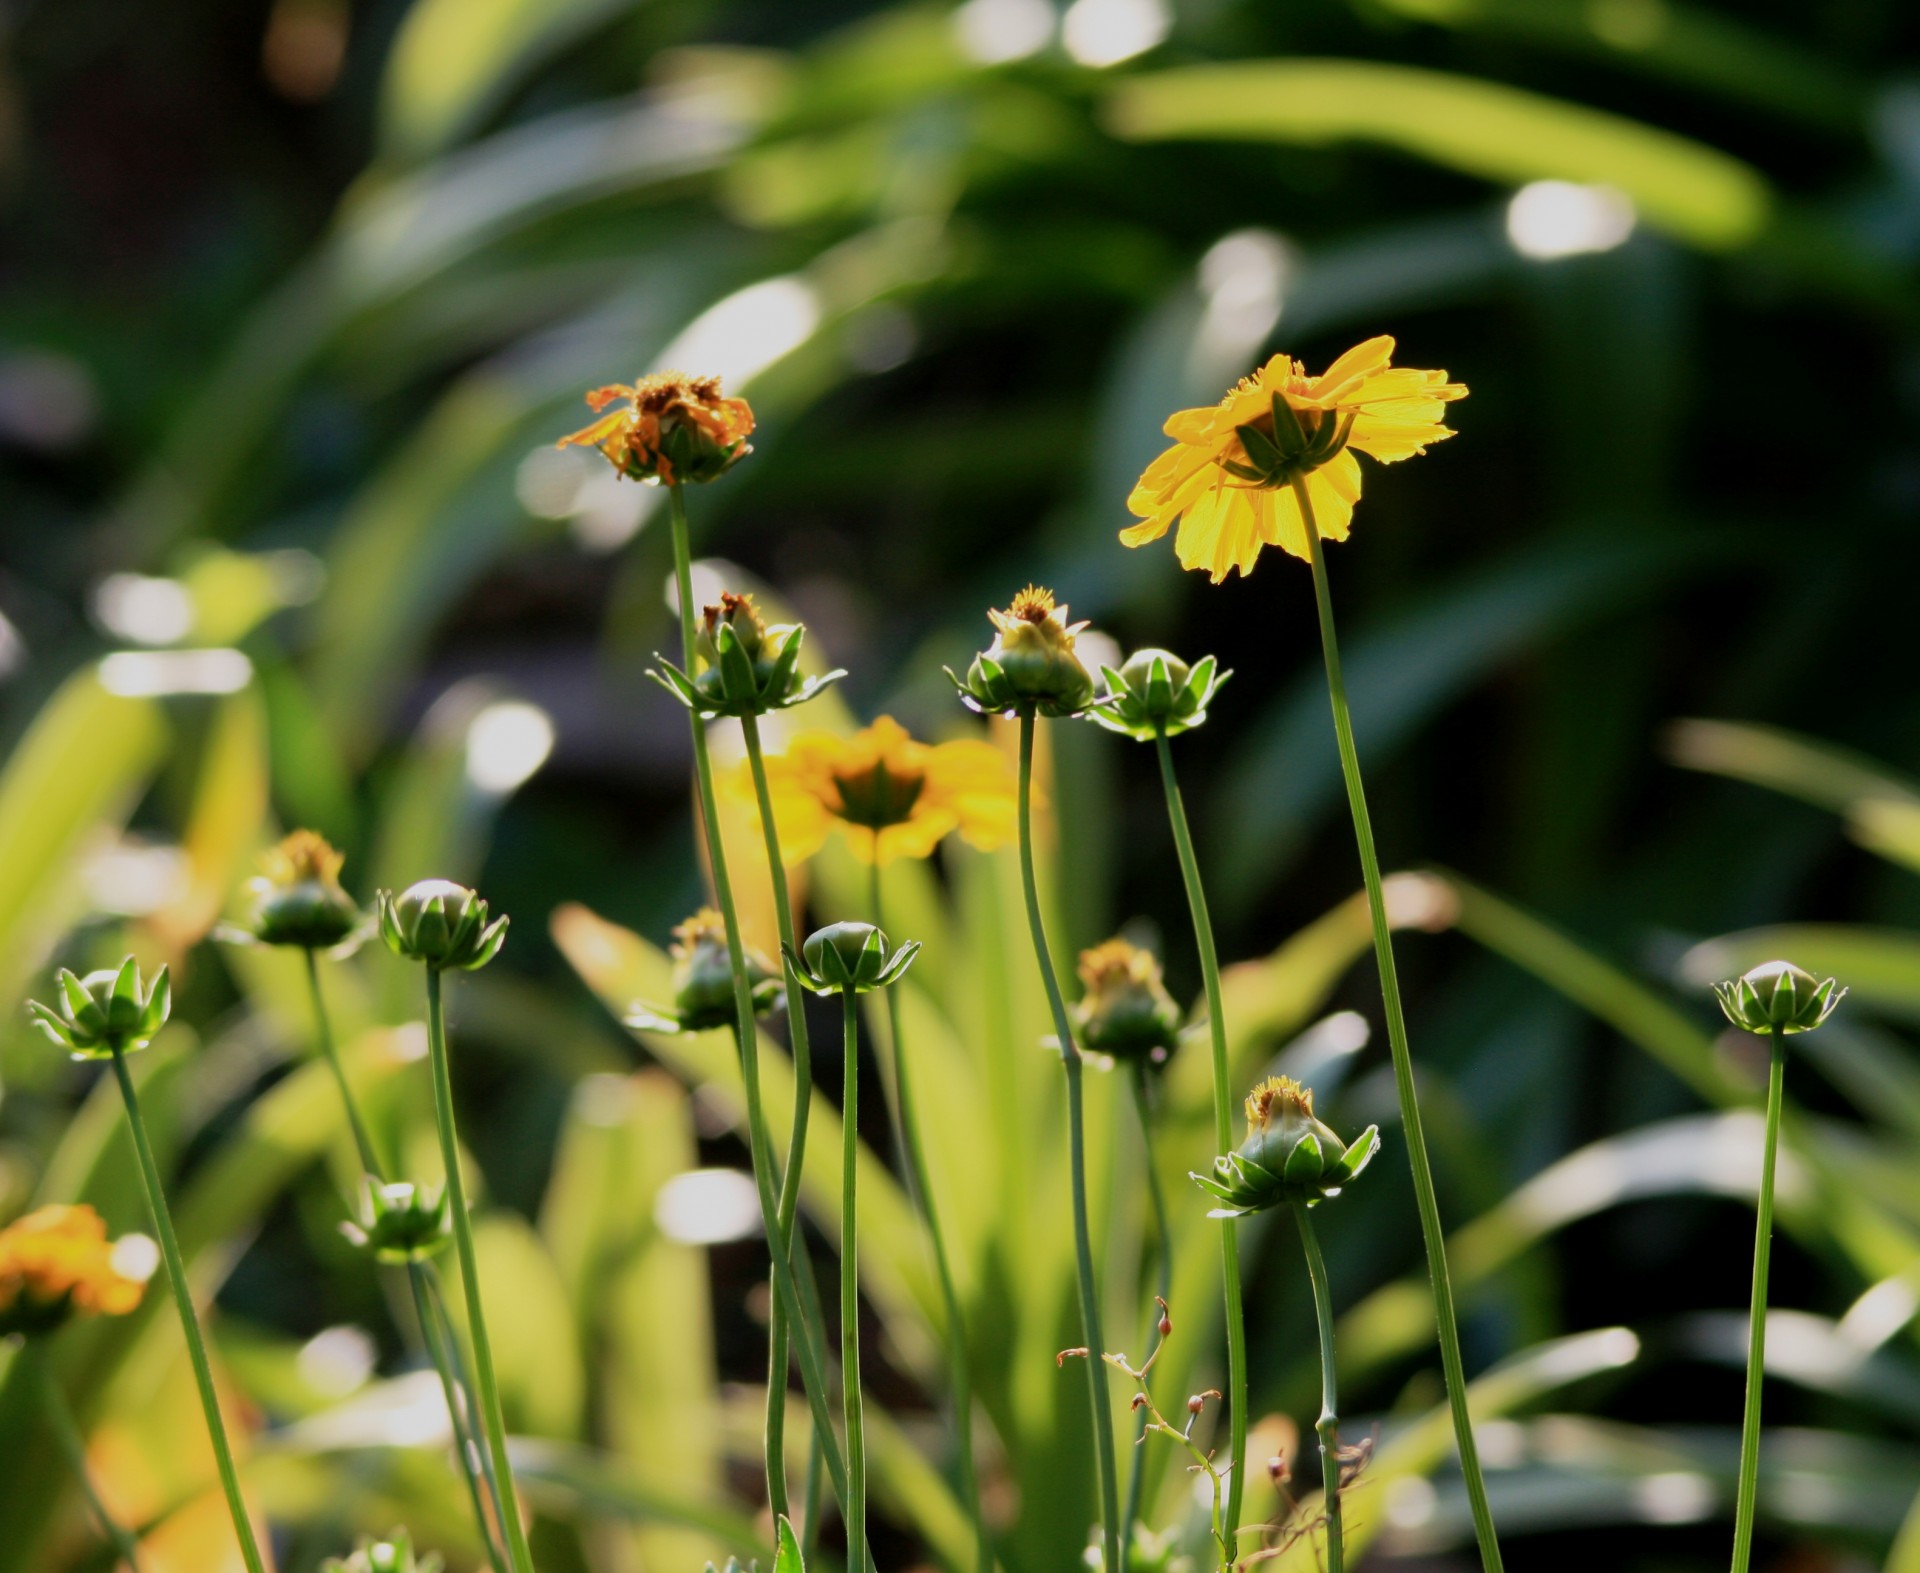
x=400 y=1221
x=703 y=981
x=297 y=899
x=748 y=668
x=440 y=923
x=1126 y=1010
x=1031 y=666
x=394 y=1554
x=850 y=958
x=1289 y=1155
x=106 y=1013
x=1778 y=996
x=1156 y=694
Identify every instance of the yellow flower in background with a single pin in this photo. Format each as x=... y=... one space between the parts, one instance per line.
x=888 y=795
x=1228 y=477
x=57 y=1262
x=671 y=428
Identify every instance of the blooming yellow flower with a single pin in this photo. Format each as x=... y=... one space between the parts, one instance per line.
x=1228 y=477
x=58 y=1261
x=670 y=428
x=890 y=796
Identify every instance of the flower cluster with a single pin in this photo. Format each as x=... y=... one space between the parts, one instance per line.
x=1126 y=1010
x=670 y=428
x=1777 y=996
x=1289 y=1154
x=850 y=958
x=58 y=1262
x=106 y=1012
x=393 y=1553
x=747 y=668
x=1156 y=694
x=441 y=923
x=297 y=899
x=1031 y=668
x=703 y=981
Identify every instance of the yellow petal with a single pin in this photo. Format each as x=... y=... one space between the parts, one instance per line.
x=1360 y=361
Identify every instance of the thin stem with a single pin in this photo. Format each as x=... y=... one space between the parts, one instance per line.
x=920 y=1192
x=189 y=1320
x=778 y=1332
x=1163 y=1290
x=72 y=1444
x=1431 y=1232
x=853 y=1410
x=1222 y=1134
x=1077 y=1164
x=450 y=1341
x=436 y=1349
x=1757 y=1316
x=759 y=1144
x=323 y=1029
x=1328 y=1425
x=491 y=1417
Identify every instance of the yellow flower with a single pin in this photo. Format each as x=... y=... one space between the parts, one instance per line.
x=890 y=796
x=1228 y=477
x=58 y=1261
x=671 y=428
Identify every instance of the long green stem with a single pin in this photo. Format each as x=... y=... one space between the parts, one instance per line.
x=1163 y=1290
x=759 y=1144
x=920 y=1192
x=1757 y=1316
x=491 y=1417
x=456 y=1407
x=189 y=1320
x=1328 y=1425
x=73 y=1446
x=778 y=1350
x=1077 y=1164
x=1222 y=1134
x=323 y=1030
x=1440 y=1279
x=853 y=1409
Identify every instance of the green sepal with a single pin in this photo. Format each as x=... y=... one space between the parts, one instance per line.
x=1306 y=1163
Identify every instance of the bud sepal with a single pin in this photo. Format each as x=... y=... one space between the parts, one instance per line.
x=400 y=1221
x=442 y=924
x=1156 y=694
x=106 y=1012
x=747 y=667
x=849 y=958
x=1777 y=996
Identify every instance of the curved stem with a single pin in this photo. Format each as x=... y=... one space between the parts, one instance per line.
x=189 y=1320
x=1222 y=1134
x=759 y=1145
x=456 y=1407
x=323 y=1029
x=853 y=1411
x=1328 y=1425
x=491 y=1417
x=1077 y=1163
x=1749 y=1489
x=1441 y=1281
x=1163 y=1289
x=450 y=1341
x=73 y=1446
x=920 y=1192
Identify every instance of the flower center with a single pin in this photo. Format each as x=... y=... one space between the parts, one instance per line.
x=878 y=797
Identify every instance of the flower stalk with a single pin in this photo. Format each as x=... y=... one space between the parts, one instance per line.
x=853 y=1409
x=1328 y=1425
x=435 y=1335
x=1747 y=1495
x=323 y=1030
x=73 y=1447
x=1434 y=1236
x=1163 y=1288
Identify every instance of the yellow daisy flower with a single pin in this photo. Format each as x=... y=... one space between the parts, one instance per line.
x=888 y=795
x=57 y=1262
x=670 y=428
x=1228 y=477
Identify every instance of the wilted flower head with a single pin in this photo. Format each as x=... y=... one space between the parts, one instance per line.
x=440 y=923
x=57 y=1262
x=1228 y=477
x=670 y=428
x=400 y=1221
x=1031 y=667
x=703 y=981
x=297 y=899
x=888 y=795
x=748 y=668
x=1126 y=1010
x=1289 y=1154
x=394 y=1554
x=1777 y=995
x=106 y=1012
x=1155 y=694
x=850 y=958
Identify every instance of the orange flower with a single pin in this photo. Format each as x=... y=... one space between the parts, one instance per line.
x=890 y=796
x=1230 y=474
x=58 y=1261
x=671 y=427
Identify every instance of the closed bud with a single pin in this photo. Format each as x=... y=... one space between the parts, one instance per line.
x=1195 y=1404
x=107 y=1012
x=745 y=667
x=850 y=958
x=1289 y=1155
x=1156 y=694
x=392 y=1554
x=703 y=981
x=442 y=924
x=1278 y=1470
x=399 y=1221
x=1777 y=996
x=1031 y=668
x=297 y=898
x=1125 y=1010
